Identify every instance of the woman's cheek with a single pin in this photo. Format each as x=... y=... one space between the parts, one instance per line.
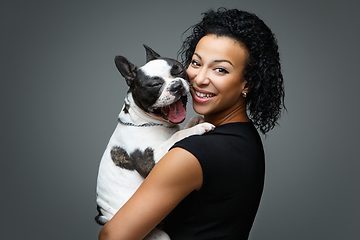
x=191 y=76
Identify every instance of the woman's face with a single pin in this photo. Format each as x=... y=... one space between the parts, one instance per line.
x=216 y=75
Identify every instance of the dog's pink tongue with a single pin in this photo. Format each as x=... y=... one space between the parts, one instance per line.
x=177 y=112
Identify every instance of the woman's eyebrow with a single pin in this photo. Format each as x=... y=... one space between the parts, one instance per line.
x=215 y=61
x=198 y=56
x=224 y=61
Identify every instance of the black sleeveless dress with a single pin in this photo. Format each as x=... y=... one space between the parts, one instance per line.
x=233 y=164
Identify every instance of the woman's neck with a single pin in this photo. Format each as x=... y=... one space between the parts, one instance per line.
x=237 y=115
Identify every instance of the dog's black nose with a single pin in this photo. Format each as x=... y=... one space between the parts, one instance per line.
x=177 y=88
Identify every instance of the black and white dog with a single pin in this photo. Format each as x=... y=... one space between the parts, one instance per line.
x=147 y=127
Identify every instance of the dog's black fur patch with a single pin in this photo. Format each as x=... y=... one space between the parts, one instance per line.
x=145 y=90
x=140 y=161
x=143 y=161
x=121 y=158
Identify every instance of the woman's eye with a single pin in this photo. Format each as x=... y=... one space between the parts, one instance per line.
x=221 y=70
x=195 y=63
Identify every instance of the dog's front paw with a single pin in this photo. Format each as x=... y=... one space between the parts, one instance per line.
x=198 y=129
x=194 y=121
x=202 y=128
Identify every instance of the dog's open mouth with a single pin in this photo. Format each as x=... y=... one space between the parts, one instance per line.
x=175 y=112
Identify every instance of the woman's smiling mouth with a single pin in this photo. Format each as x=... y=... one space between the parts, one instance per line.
x=202 y=94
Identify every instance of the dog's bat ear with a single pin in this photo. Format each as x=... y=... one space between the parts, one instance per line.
x=150 y=54
x=126 y=68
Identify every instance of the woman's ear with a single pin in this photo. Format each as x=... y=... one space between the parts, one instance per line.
x=247 y=88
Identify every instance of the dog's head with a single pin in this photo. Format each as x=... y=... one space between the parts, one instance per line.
x=159 y=87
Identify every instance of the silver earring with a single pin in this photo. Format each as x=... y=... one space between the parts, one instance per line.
x=244 y=94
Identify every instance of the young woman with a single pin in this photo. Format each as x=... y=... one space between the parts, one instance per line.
x=209 y=186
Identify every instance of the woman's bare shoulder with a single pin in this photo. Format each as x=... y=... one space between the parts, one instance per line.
x=179 y=166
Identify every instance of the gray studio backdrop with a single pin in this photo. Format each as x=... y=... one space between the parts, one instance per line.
x=61 y=93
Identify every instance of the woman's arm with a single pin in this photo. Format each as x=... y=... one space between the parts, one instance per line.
x=176 y=175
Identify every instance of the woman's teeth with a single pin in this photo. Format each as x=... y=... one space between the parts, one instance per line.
x=203 y=95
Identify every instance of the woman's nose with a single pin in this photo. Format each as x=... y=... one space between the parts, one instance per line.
x=202 y=77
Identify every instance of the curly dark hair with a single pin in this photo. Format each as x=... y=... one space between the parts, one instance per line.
x=262 y=71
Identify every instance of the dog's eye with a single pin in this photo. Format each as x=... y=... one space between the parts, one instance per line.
x=155 y=82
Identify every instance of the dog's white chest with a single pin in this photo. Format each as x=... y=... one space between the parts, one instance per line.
x=115 y=185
